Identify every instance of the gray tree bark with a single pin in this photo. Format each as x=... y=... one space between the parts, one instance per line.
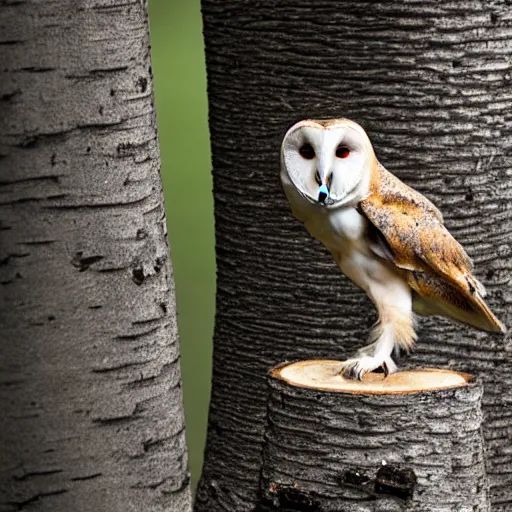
x=332 y=451
x=430 y=82
x=90 y=384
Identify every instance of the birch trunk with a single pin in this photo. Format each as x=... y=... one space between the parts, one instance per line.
x=90 y=385
x=430 y=82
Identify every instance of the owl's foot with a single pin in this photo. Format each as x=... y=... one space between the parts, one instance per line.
x=358 y=367
x=368 y=350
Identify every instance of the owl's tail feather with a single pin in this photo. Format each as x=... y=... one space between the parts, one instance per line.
x=493 y=324
x=475 y=312
x=462 y=300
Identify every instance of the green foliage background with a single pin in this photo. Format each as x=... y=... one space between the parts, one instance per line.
x=181 y=106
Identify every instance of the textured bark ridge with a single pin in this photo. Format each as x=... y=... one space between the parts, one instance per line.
x=430 y=82
x=91 y=416
x=374 y=449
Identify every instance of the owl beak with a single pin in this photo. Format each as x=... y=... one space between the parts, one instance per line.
x=323 y=193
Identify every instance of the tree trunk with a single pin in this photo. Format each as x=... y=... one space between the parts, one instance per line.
x=430 y=82
x=410 y=443
x=90 y=385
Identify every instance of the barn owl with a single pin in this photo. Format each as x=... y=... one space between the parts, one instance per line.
x=385 y=237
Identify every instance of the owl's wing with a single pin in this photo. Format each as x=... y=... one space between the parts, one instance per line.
x=411 y=233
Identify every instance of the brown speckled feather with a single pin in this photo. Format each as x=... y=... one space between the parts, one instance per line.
x=435 y=265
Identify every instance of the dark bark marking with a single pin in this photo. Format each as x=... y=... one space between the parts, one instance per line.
x=9 y=96
x=142 y=83
x=159 y=264
x=126 y=149
x=35 y=69
x=86 y=477
x=31 y=141
x=137 y=335
x=154 y=445
x=148 y=321
x=7 y=259
x=24 y=200
x=185 y=482
x=11 y=42
x=33 y=474
x=124 y=366
x=14 y=382
x=38 y=242
x=107 y=270
x=119 y=420
x=104 y=71
x=114 y=7
x=84 y=262
x=142 y=382
x=141 y=233
x=138 y=276
x=355 y=477
x=395 y=481
x=290 y=498
x=20 y=505
x=28 y=143
x=152 y=485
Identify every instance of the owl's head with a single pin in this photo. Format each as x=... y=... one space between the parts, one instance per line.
x=327 y=161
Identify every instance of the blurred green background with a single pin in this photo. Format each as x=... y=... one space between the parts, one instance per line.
x=181 y=107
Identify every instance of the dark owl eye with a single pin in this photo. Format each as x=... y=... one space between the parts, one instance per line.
x=306 y=151
x=342 y=151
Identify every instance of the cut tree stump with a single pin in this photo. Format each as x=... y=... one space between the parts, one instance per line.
x=408 y=442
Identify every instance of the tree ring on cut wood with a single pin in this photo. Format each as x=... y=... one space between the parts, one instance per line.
x=325 y=375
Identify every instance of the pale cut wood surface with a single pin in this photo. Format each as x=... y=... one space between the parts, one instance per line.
x=324 y=374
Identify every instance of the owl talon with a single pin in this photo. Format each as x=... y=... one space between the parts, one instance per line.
x=358 y=374
x=356 y=369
